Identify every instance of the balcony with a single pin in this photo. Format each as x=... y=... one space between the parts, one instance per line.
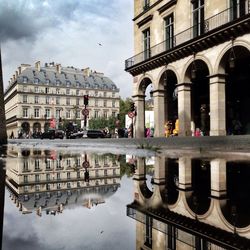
x=213 y=31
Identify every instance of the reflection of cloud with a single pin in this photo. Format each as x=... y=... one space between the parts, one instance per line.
x=68 y=32
x=75 y=228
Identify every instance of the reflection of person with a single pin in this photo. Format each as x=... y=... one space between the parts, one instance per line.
x=204 y=119
x=236 y=125
x=12 y=135
x=168 y=128
x=86 y=175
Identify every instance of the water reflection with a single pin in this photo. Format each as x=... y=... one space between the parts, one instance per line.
x=193 y=203
x=48 y=181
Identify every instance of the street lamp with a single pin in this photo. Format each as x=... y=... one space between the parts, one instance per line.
x=232 y=56
x=193 y=69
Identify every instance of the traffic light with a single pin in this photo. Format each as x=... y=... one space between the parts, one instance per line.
x=86 y=99
x=132 y=106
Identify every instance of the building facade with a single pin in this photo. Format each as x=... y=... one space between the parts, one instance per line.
x=36 y=95
x=195 y=55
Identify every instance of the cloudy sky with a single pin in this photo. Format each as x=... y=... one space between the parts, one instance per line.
x=68 y=32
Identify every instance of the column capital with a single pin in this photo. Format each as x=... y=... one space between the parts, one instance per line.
x=217 y=78
x=217 y=75
x=139 y=96
x=185 y=84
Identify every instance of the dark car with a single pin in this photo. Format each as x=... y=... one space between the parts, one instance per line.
x=53 y=134
x=93 y=133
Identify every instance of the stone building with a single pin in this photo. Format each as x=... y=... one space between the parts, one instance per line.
x=195 y=55
x=37 y=95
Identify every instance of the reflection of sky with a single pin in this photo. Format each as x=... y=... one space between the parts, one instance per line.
x=104 y=226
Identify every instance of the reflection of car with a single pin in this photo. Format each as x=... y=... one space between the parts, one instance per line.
x=52 y=134
x=76 y=135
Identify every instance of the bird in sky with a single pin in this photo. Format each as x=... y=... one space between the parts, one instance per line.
x=99 y=44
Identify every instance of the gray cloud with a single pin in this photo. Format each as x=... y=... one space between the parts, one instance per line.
x=68 y=32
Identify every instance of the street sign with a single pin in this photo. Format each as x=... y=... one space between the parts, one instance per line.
x=85 y=164
x=85 y=111
x=131 y=114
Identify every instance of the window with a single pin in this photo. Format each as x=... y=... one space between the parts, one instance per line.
x=67 y=91
x=58 y=91
x=36 y=113
x=25 y=79
x=67 y=101
x=78 y=174
x=105 y=114
x=37 y=187
x=198 y=17
x=146 y=43
x=113 y=113
x=77 y=101
x=96 y=102
x=68 y=175
x=237 y=8
x=37 y=178
x=46 y=90
x=57 y=100
x=113 y=94
x=105 y=94
x=96 y=114
x=37 y=164
x=25 y=166
x=47 y=177
x=113 y=104
x=68 y=83
x=146 y=4
x=169 y=31
x=58 y=111
x=77 y=92
x=58 y=82
x=47 y=113
x=58 y=177
x=36 y=89
x=78 y=114
x=47 y=81
x=25 y=112
x=68 y=113
x=25 y=98
x=25 y=178
x=36 y=80
x=96 y=93
x=36 y=99
x=105 y=103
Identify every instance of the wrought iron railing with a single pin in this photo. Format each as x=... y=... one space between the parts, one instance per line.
x=207 y=25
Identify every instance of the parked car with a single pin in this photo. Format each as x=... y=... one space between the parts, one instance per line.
x=53 y=134
x=93 y=133
x=75 y=135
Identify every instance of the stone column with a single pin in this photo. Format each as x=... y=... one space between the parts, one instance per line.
x=159 y=113
x=217 y=105
x=139 y=131
x=184 y=109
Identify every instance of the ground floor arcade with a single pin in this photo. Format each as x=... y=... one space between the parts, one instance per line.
x=208 y=91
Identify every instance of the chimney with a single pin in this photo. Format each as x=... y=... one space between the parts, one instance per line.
x=19 y=70
x=58 y=68
x=24 y=66
x=86 y=72
x=16 y=74
x=14 y=78
x=38 y=66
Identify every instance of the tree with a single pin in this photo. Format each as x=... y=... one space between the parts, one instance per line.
x=3 y=132
x=124 y=109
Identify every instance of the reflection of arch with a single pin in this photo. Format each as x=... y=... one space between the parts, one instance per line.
x=25 y=127
x=25 y=152
x=145 y=190
x=37 y=127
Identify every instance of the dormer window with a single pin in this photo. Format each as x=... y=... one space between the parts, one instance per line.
x=96 y=86
x=36 y=80
x=77 y=84
x=146 y=4
x=87 y=85
x=58 y=82
x=25 y=79
x=47 y=81
x=113 y=87
x=68 y=83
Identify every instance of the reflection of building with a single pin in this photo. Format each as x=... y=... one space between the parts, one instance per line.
x=37 y=94
x=49 y=180
x=195 y=54
x=194 y=204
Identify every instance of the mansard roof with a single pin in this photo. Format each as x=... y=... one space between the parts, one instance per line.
x=68 y=76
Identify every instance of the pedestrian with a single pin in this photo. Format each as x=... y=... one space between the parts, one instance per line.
x=12 y=135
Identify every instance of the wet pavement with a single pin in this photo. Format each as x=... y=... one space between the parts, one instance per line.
x=156 y=193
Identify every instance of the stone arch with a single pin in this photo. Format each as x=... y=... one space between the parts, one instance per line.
x=144 y=82
x=197 y=73
x=25 y=127
x=37 y=127
x=234 y=64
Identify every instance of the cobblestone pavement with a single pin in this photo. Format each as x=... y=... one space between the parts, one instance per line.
x=229 y=145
